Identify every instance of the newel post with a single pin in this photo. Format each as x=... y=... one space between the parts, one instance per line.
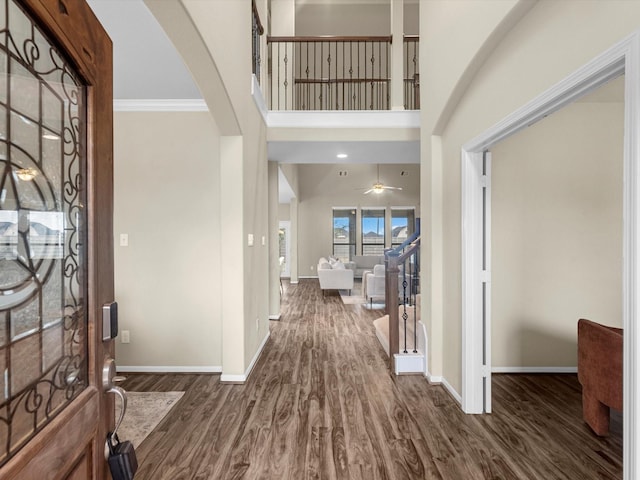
x=391 y=305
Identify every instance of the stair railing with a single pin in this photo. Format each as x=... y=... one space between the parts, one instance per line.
x=256 y=31
x=329 y=73
x=402 y=268
x=411 y=72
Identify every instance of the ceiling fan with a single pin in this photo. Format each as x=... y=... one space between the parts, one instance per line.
x=380 y=187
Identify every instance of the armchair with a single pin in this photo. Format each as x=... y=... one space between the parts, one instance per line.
x=373 y=284
x=599 y=372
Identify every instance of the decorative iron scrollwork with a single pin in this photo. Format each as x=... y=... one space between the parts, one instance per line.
x=43 y=319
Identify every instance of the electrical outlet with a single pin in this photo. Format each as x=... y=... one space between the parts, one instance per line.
x=125 y=336
x=124 y=239
x=311 y=267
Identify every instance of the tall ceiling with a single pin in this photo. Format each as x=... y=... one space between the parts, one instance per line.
x=146 y=66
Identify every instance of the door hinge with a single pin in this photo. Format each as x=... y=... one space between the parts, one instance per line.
x=485 y=276
x=486 y=371
x=484 y=181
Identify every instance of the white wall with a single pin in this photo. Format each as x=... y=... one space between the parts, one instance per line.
x=556 y=234
x=167 y=280
x=321 y=188
x=552 y=40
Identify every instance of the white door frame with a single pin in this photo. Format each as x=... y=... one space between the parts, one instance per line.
x=622 y=58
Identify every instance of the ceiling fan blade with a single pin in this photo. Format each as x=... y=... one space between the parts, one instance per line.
x=392 y=188
x=368 y=191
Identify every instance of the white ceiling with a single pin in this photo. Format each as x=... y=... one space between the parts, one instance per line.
x=146 y=65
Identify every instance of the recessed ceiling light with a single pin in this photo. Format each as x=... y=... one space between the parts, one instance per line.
x=342 y=155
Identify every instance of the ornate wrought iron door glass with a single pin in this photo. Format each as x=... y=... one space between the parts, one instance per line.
x=43 y=294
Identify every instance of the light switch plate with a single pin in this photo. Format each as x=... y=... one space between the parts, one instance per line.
x=250 y=240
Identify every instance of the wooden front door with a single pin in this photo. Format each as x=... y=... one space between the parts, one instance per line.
x=56 y=247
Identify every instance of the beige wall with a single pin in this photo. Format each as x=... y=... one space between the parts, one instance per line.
x=556 y=234
x=343 y=19
x=411 y=18
x=321 y=188
x=256 y=222
x=284 y=211
x=551 y=41
x=167 y=280
x=243 y=167
x=353 y=18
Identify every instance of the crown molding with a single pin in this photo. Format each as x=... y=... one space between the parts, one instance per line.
x=161 y=105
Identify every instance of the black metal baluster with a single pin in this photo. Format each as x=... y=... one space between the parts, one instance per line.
x=306 y=85
x=286 y=75
x=344 y=61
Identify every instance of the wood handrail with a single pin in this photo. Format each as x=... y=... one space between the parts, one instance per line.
x=411 y=38
x=409 y=251
x=257 y=16
x=329 y=38
x=392 y=261
x=412 y=238
x=339 y=80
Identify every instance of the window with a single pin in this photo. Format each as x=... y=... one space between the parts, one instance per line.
x=344 y=233
x=402 y=225
x=373 y=231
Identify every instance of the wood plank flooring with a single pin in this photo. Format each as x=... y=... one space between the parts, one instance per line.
x=321 y=404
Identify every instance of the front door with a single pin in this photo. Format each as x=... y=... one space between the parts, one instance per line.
x=56 y=247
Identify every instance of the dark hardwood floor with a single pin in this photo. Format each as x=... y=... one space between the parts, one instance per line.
x=321 y=404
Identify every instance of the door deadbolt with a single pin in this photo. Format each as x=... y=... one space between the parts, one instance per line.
x=108 y=374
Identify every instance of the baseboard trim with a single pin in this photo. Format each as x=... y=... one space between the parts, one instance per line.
x=226 y=378
x=409 y=363
x=167 y=369
x=452 y=391
x=296 y=282
x=534 y=369
x=434 y=379
x=308 y=277
x=274 y=317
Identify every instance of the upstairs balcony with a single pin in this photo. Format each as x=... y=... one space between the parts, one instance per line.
x=337 y=73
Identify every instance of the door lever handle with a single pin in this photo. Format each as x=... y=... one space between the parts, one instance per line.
x=120 y=392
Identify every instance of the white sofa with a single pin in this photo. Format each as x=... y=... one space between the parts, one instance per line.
x=334 y=276
x=364 y=263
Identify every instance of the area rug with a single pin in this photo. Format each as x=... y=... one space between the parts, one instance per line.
x=351 y=299
x=145 y=410
x=356 y=299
